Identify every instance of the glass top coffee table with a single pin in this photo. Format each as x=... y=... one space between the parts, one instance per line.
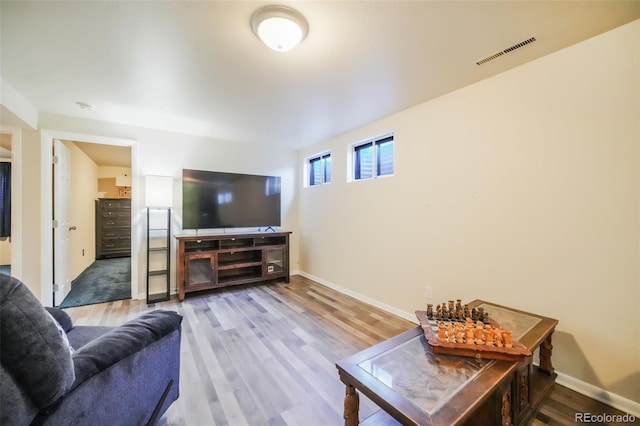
x=415 y=386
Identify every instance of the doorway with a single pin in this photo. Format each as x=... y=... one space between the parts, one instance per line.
x=94 y=278
x=5 y=203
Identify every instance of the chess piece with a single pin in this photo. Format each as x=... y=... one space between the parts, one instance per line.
x=480 y=313
x=488 y=335
x=497 y=337
x=507 y=338
x=430 y=311
x=469 y=331
x=351 y=407
x=478 y=334
x=459 y=334
x=450 y=333
x=441 y=332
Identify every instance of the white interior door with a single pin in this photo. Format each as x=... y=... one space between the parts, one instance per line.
x=61 y=225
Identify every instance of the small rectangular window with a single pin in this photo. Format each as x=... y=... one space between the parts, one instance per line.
x=320 y=169
x=373 y=158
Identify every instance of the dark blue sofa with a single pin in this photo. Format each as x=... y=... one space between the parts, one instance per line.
x=56 y=374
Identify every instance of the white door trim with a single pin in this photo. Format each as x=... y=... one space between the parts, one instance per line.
x=46 y=182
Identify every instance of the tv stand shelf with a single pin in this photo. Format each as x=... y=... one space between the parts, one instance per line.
x=213 y=261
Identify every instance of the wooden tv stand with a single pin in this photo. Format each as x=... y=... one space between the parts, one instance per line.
x=213 y=261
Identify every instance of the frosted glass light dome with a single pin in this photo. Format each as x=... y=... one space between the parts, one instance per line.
x=279 y=27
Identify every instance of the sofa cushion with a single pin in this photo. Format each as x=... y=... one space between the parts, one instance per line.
x=62 y=318
x=16 y=408
x=123 y=341
x=80 y=336
x=34 y=351
x=124 y=393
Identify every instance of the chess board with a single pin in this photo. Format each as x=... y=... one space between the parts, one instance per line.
x=462 y=347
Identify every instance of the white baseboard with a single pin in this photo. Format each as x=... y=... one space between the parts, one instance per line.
x=599 y=394
x=388 y=308
x=611 y=399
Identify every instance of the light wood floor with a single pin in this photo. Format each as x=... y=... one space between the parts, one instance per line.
x=266 y=354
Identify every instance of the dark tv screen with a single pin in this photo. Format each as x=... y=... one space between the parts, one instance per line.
x=229 y=200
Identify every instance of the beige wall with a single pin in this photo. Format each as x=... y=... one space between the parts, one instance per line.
x=33 y=231
x=523 y=189
x=159 y=156
x=166 y=154
x=5 y=252
x=113 y=171
x=107 y=182
x=84 y=186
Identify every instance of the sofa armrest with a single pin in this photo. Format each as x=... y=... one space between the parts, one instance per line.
x=122 y=342
x=132 y=372
x=61 y=317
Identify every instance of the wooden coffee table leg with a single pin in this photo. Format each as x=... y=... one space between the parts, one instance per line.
x=351 y=407
x=545 y=355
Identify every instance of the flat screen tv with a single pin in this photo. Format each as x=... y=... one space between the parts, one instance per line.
x=229 y=200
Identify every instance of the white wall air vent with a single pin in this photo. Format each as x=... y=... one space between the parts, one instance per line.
x=507 y=50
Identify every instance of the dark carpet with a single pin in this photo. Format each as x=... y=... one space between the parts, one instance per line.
x=105 y=280
x=5 y=269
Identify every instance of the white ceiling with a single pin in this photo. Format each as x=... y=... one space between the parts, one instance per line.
x=106 y=155
x=197 y=68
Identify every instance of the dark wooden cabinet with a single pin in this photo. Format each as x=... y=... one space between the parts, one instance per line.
x=199 y=272
x=212 y=261
x=113 y=227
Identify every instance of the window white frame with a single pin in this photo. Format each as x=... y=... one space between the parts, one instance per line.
x=375 y=143
x=324 y=160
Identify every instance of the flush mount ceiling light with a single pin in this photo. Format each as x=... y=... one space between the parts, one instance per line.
x=279 y=27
